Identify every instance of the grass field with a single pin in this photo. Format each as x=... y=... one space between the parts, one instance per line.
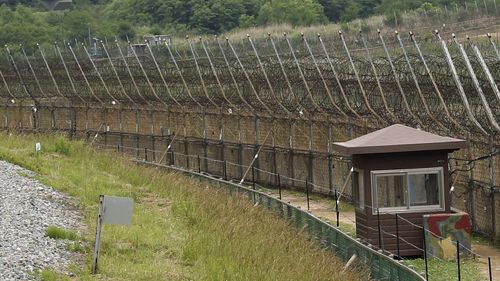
x=447 y=270
x=182 y=230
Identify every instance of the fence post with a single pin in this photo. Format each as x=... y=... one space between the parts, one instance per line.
x=153 y=149
x=493 y=182
x=137 y=145
x=397 y=236
x=330 y=174
x=489 y=268
x=253 y=177
x=279 y=185
x=145 y=154
x=425 y=256
x=224 y=170
x=337 y=207
x=199 y=163
x=240 y=158
x=307 y=194
x=186 y=152
x=105 y=133
x=52 y=119
x=379 y=230
x=458 y=260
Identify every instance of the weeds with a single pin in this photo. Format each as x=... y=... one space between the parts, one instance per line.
x=48 y=274
x=62 y=146
x=76 y=247
x=57 y=233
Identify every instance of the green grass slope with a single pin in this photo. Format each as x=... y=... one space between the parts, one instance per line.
x=182 y=230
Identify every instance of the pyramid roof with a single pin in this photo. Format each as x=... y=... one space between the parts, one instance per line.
x=397 y=138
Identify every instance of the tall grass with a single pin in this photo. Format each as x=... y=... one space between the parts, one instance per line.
x=182 y=230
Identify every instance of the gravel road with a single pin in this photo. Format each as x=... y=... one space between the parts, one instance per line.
x=27 y=208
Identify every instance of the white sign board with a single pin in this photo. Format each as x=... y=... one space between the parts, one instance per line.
x=117 y=210
x=112 y=210
x=38 y=147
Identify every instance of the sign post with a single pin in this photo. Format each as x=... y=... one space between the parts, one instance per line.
x=112 y=210
x=98 y=235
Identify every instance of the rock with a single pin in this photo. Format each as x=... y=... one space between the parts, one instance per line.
x=27 y=208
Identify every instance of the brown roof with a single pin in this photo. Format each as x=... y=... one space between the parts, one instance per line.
x=397 y=138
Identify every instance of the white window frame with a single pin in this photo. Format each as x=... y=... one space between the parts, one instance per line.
x=361 y=189
x=406 y=173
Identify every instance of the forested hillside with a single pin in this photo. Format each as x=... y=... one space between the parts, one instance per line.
x=28 y=21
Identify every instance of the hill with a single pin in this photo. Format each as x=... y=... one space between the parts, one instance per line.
x=29 y=22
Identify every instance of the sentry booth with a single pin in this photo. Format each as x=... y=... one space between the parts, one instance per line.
x=399 y=170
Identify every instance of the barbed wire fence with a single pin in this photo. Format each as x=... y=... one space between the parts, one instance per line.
x=218 y=169
x=221 y=97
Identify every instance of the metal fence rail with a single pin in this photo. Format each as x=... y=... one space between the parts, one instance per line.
x=381 y=266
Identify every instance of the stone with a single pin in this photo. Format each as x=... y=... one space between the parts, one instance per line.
x=27 y=208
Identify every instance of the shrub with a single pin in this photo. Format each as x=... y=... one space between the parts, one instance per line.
x=62 y=146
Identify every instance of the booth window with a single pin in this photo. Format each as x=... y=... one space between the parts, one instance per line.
x=358 y=188
x=391 y=190
x=406 y=190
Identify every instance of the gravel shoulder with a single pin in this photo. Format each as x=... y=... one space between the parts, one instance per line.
x=27 y=208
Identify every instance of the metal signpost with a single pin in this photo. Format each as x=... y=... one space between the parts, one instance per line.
x=112 y=210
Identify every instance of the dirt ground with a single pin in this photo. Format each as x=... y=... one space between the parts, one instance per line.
x=324 y=208
x=488 y=251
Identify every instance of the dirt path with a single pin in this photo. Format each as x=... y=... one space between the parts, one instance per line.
x=321 y=207
x=324 y=208
x=488 y=251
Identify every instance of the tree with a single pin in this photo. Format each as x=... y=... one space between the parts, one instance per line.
x=14 y=3
x=367 y=7
x=23 y=26
x=388 y=7
x=295 y=12
x=125 y=31
x=77 y=24
x=351 y=11
x=428 y=9
x=247 y=21
x=216 y=16
x=208 y=16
